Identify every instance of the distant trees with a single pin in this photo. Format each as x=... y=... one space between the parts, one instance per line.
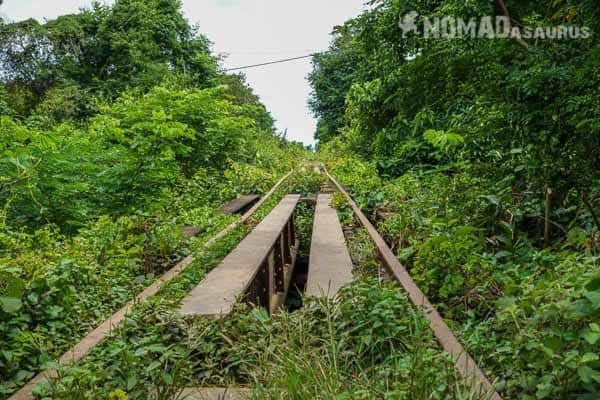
x=331 y=79
x=102 y=50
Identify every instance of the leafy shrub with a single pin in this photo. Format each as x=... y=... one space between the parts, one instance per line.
x=449 y=265
x=361 y=179
x=545 y=329
x=248 y=179
x=512 y=303
x=76 y=284
x=306 y=183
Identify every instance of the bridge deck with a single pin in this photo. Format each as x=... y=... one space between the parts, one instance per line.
x=330 y=265
x=217 y=293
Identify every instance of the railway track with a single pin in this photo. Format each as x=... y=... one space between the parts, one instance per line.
x=104 y=330
x=259 y=271
x=330 y=268
x=464 y=363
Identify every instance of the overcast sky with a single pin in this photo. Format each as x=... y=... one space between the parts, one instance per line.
x=250 y=32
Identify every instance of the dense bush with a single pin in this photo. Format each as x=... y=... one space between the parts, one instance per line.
x=527 y=116
x=479 y=161
x=116 y=131
x=529 y=314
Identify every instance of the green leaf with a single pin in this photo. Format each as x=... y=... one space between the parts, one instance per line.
x=167 y=378
x=260 y=314
x=594 y=298
x=492 y=199
x=10 y=305
x=589 y=357
x=591 y=337
x=406 y=253
x=503 y=254
x=594 y=284
x=23 y=376
x=504 y=302
x=588 y=375
x=131 y=382
x=154 y=365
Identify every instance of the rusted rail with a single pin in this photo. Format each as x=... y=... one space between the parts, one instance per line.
x=98 y=335
x=466 y=366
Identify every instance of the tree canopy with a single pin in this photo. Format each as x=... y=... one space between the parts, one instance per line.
x=380 y=91
x=102 y=51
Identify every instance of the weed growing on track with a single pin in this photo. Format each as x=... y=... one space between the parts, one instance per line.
x=147 y=355
x=527 y=315
x=369 y=344
x=149 y=332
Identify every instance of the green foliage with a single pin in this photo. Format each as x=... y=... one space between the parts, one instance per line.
x=134 y=152
x=449 y=263
x=385 y=350
x=362 y=251
x=331 y=79
x=11 y=290
x=241 y=94
x=5 y=108
x=306 y=183
x=497 y=94
x=59 y=287
x=104 y=49
x=362 y=179
x=245 y=178
x=68 y=288
x=372 y=345
x=69 y=103
x=459 y=141
x=116 y=130
x=137 y=368
x=512 y=304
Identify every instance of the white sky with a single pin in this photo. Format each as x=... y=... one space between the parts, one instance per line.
x=250 y=32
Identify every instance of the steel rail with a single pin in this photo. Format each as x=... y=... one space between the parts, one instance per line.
x=98 y=335
x=464 y=363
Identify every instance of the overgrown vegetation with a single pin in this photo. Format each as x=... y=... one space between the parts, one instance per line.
x=478 y=159
x=370 y=343
x=117 y=129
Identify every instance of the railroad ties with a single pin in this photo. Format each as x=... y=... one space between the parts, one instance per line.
x=330 y=265
x=259 y=269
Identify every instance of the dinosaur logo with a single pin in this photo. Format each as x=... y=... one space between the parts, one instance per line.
x=408 y=23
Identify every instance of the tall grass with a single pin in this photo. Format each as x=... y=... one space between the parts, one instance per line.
x=367 y=344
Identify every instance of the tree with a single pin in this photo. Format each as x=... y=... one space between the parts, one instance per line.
x=539 y=101
x=241 y=94
x=104 y=50
x=332 y=76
